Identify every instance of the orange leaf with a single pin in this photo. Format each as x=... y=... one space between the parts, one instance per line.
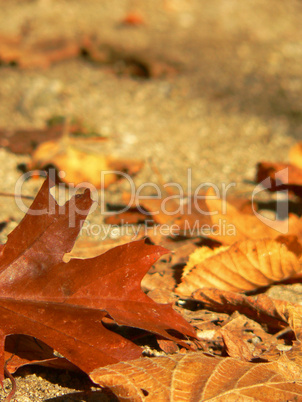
x=295 y=155
x=80 y=164
x=234 y=225
x=244 y=266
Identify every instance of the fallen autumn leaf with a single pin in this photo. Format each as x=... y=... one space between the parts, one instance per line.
x=243 y=266
x=63 y=304
x=197 y=377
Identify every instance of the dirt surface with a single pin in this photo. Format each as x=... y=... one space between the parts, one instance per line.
x=221 y=91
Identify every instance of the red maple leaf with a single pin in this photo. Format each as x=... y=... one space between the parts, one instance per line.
x=63 y=304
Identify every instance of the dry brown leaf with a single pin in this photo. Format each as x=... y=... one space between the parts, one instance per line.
x=237 y=347
x=244 y=338
x=260 y=308
x=279 y=317
x=244 y=266
x=197 y=377
x=292 y=314
x=241 y=337
x=25 y=141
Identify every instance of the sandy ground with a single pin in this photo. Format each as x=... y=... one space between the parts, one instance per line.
x=231 y=98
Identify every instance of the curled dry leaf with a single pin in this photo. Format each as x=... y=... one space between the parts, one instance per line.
x=277 y=316
x=244 y=266
x=237 y=347
x=197 y=377
x=244 y=338
x=274 y=313
x=79 y=164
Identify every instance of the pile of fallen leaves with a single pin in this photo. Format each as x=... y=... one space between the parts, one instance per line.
x=202 y=328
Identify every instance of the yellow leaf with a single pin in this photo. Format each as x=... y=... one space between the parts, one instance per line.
x=246 y=265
